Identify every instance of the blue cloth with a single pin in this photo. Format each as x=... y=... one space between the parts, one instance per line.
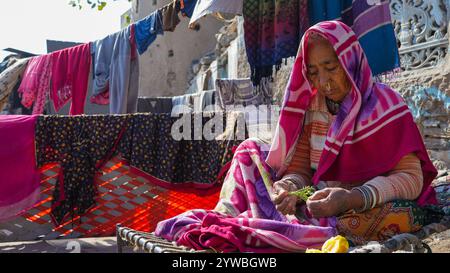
x=189 y=6
x=114 y=70
x=379 y=43
x=147 y=29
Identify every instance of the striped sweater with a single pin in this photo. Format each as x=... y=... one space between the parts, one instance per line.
x=404 y=181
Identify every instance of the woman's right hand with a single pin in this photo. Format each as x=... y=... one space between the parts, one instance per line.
x=284 y=202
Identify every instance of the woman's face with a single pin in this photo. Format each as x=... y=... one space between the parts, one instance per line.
x=325 y=72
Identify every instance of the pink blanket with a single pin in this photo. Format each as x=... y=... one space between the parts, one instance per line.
x=19 y=177
x=246 y=219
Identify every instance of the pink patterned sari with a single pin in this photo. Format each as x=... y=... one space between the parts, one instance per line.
x=373 y=130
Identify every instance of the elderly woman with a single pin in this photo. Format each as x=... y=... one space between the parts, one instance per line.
x=353 y=139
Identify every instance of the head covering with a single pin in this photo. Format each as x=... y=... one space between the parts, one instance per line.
x=373 y=130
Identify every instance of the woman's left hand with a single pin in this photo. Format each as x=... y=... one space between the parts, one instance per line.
x=329 y=202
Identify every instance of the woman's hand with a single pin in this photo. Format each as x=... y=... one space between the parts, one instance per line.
x=332 y=202
x=284 y=202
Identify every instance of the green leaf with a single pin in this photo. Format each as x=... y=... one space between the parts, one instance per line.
x=304 y=193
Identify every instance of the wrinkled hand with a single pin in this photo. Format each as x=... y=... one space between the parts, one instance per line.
x=328 y=202
x=284 y=202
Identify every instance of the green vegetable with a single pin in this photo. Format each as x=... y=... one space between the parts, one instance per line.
x=304 y=193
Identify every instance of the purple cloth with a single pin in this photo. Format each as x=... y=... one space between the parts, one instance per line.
x=19 y=176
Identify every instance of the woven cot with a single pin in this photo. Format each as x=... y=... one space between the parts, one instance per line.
x=406 y=242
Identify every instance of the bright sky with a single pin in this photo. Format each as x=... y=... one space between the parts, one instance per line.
x=27 y=24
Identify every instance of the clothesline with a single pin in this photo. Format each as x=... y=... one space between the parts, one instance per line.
x=115 y=66
x=115 y=61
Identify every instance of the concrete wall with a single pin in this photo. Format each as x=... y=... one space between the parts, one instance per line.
x=165 y=75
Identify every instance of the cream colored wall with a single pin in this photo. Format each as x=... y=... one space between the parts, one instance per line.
x=161 y=75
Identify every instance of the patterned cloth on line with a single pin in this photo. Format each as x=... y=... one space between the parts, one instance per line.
x=9 y=78
x=242 y=92
x=372 y=24
x=35 y=85
x=82 y=144
x=273 y=29
x=190 y=159
x=268 y=42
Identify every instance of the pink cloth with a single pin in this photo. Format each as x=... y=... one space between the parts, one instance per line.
x=373 y=130
x=19 y=176
x=35 y=85
x=246 y=219
x=70 y=79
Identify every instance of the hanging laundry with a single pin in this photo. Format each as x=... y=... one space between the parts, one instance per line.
x=20 y=179
x=9 y=78
x=273 y=29
x=205 y=7
x=155 y=105
x=371 y=22
x=81 y=145
x=169 y=162
x=116 y=72
x=233 y=92
x=187 y=7
x=147 y=29
x=183 y=104
x=170 y=16
x=14 y=104
x=35 y=86
x=70 y=77
x=208 y=100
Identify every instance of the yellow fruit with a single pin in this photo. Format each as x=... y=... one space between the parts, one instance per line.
x=336 y=244
x=312 y=250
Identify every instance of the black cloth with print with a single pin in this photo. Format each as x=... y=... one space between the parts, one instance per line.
x=156 y=152
x=81 y=145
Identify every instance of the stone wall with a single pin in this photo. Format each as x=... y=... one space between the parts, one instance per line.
x=427 y=93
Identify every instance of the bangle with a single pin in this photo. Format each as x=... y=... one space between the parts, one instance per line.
x=367 y=197
x=374 y=196
x=364 y=200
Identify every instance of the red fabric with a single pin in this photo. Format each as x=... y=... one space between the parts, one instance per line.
x=133 y=43
x=70 y=70
x=102 y=98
